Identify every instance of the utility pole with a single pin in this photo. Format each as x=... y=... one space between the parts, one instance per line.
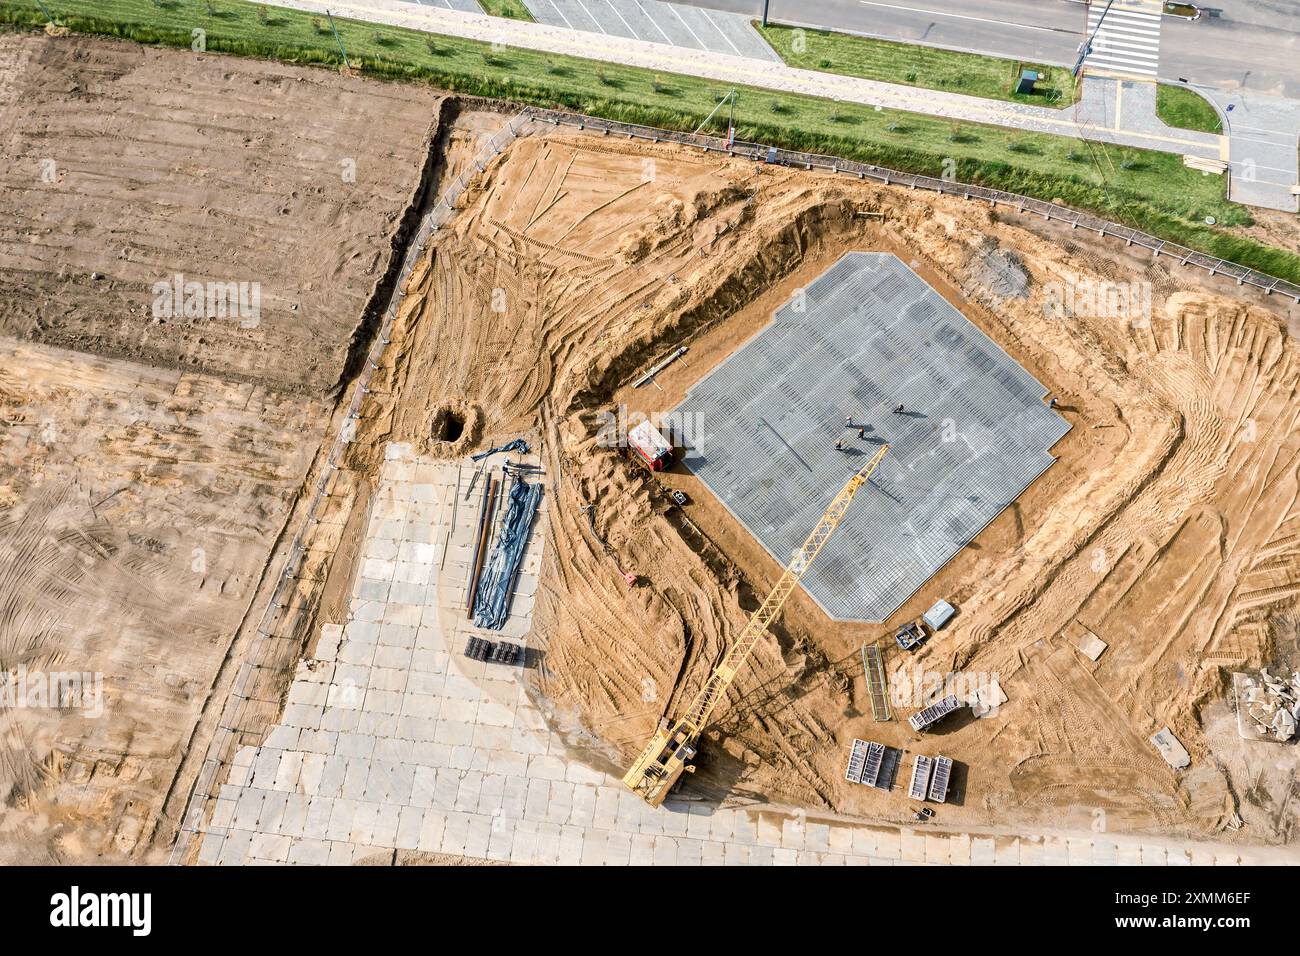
x=1086 y=46
x=765 y=3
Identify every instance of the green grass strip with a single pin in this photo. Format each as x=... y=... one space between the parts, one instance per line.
x=910 y=64
x=1182 y=108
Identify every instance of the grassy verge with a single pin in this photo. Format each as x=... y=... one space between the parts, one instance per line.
x=1150 y=191
x=912 y=65
x=514 y=9
x=1182 y=108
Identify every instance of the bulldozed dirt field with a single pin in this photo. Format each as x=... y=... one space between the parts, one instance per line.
x=148 y=466
x=1169 y=527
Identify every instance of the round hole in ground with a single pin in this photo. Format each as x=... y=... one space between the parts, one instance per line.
x=447 y=425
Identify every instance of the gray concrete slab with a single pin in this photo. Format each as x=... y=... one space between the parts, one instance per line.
x=864 y=337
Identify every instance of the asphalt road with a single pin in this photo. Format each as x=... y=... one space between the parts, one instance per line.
x=1240 y=45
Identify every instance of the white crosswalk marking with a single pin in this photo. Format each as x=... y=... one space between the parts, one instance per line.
x=1128 y=42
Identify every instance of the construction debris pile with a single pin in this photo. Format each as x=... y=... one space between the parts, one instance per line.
x=1267 y=705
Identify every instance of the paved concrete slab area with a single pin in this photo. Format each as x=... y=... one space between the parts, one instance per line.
x=869 y=334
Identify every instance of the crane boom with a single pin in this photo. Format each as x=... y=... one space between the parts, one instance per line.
x=670 y=752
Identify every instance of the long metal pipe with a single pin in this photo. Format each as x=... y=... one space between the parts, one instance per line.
x=484 y=524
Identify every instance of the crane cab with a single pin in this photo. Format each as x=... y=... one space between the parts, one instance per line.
x=667 y=756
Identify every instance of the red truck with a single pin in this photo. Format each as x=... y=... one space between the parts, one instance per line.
x=649 y=444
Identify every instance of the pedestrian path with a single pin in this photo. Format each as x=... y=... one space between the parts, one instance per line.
x=655 y=21
x=1126 y=38
x=1264 y=133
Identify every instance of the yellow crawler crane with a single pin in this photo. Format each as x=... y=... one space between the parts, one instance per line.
x=673 y=747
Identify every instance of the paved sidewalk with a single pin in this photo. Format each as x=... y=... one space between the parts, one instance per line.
x=1264 y=132
x=392 y=739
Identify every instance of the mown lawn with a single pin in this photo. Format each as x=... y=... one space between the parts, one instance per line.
x=514 y=9
x=913 y=65
x=1182 y=108
x=1149 y=190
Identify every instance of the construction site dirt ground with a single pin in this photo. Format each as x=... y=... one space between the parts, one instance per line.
x=1169 y=526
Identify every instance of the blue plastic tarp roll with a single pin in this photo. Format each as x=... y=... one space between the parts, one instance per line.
x=497 y=583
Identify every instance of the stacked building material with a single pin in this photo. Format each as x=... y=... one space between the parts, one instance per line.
x=497 y=582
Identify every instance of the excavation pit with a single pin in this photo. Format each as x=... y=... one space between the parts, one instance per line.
x=865 y=337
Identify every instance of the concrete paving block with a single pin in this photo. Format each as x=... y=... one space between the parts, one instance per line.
x=690 y=852
x=982 y=851
x=364 y=819
x=793 y=833
x=959 y=849
x=1006 y=851
x=310 y=768
x=234 y=849
x=309 y=852
x=674 y=821
x=271 y=847
x=223 y=815
x=583 y=809
x=386 y=823
x=431 y=830
x=355 y=745
x=760 y=855
x=376 y=724
x=454 y=732
x=547 y=851
x=339 y=722
x=937 y=849
x=524 y=846
x=1032 y=852
x=514 y=797
x=537 y=803
x=341 y=820
x=272 y=813
x=713 y=853
x=210 y=848
x=247 y=809
x=768 y=829
x=320 y=742
x=492 y=738
x=294 y=820
x=736 y=854
x=501 y=840
x=665 y=851
x=560 y=802
x=840 y=839
x=817 y=837
x=469 y=791
x=397 y=658
x=642 y=850
x=341 y=854
x=446 y=788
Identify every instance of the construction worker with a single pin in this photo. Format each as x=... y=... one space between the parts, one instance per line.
x=1051 y=402
x=900 y=409
x=862 y=432
x=848 y=421
x=839 y=445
